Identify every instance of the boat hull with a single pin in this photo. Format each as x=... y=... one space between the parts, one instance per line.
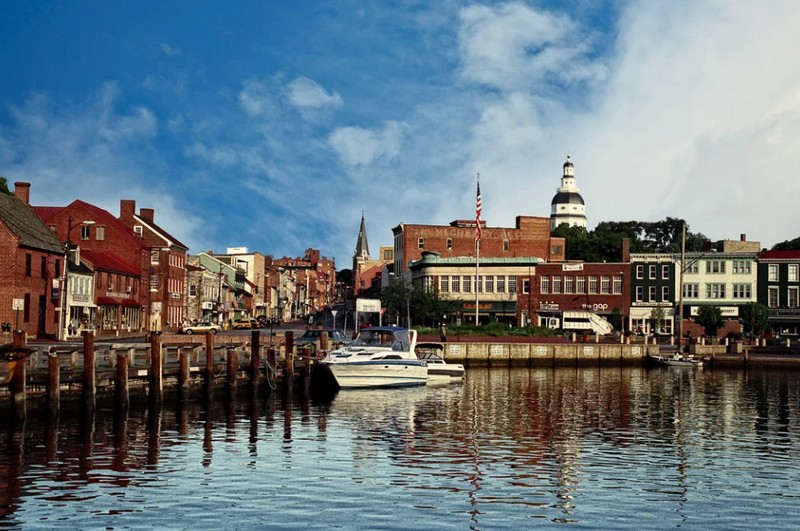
x=666 y=361
x=379 y=374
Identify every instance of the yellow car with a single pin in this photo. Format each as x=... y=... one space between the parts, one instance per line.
x=244 y=324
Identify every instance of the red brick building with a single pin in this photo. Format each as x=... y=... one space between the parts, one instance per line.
x=120 y=295
x=31 y=262
x=530 y=237
x=164 y=267
x=575 y=287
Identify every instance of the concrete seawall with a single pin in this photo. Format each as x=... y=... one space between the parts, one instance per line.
x=547 y=354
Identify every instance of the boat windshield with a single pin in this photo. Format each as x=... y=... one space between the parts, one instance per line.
x=397 y=340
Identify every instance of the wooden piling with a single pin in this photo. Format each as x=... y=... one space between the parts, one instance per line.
x=122 y=393
x=209 y=357
x=183 y=373
x=288 y=373
x=255 y=357
x=271 y=362
x=232 y=367
x=156 y=368
x=53 y=381
x=89 y=386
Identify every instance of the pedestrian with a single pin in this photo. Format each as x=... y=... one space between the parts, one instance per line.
x=443 y=332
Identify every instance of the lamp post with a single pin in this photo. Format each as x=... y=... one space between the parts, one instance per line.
x=65 y=308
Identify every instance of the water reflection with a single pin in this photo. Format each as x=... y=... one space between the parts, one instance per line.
x=507 y=446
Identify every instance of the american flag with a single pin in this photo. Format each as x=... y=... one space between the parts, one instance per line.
x=478 y=207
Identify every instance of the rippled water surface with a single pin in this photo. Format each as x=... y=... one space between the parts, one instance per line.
x=507 y=449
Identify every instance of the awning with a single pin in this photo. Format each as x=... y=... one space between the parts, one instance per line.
x=108 y=301
x=130 y=303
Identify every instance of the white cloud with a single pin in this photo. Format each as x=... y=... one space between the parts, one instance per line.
x=170 y=50
x=306 y=93
x=357 y=146
x=255 y=98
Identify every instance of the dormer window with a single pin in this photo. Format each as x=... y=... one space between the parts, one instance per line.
x=137 y=229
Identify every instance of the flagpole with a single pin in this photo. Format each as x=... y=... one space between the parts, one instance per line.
x=478 y=208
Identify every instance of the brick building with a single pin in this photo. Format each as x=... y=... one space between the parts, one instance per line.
x=163 y=265
x=31 y=262
x=530 y=237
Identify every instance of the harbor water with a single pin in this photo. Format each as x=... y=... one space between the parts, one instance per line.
x=621 y=448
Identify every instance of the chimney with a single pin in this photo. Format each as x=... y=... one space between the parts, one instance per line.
x=743 y=237
x=626 y=249
x=147 y=213
x=22 y=191
x=127 y=208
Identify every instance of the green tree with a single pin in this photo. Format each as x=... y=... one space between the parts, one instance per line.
x=755 y=318
x=657 y=316
x=4 y=186
x=788 y=245
x=396 y=298
x=710 y=318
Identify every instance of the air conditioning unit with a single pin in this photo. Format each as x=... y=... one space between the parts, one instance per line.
x=176 y=295
x=110 y=287
x=128 y=289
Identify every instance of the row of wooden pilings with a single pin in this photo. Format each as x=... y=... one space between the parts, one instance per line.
x=293 y=365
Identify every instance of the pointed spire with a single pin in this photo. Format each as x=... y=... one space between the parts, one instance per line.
x=362 y=246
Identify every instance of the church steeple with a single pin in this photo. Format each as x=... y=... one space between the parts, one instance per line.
x=362 y=246
x=568 y=205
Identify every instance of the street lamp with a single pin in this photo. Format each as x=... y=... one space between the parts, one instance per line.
x=65 y=308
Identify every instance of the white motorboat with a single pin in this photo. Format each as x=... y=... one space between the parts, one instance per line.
x=438 y=368
x=379 y=357
x=676 y=360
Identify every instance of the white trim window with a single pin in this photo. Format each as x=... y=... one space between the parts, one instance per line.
x=556 y=284
x=569 y=284
x=664 y=271
x=792 y=297
x=772 y=272
x=639 y=293
x=544 y=283
x=593 y=284
x=772 y=297
x=742 y=291
x=792 y=271
x=580 y=285
x=691 y=290
x=665 y=294
x=715 y=266
x=652 y=272
x=741 y=267
x=715 y=290
x=444 y=284
x=456 y=284
x=640 y=271
x=652 y=294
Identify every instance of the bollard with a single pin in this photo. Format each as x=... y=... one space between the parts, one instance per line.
x=89 y=386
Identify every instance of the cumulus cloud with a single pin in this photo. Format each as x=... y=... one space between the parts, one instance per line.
x=357 y=146
x=255 y=98
x=306 y=93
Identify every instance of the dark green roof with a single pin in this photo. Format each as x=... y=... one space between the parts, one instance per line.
x=31 y=230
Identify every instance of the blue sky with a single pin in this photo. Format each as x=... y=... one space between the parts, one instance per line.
x=273 y=125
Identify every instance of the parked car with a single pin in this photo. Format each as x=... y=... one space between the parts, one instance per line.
x=200 y=327
x=336 y=337
x=243 y=324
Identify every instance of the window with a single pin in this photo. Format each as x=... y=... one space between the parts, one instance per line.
x=715 y=266
x=154 y=257
x=85 y=232
x=715 y=290
x=692 y=268
x=489 y=279
x=28 y=259
x=605 y=285
x=652 y=272
x=420 y=243
x=456 y=284
x=467 y=282
x=26 y=308
x=526 y=286
x=556 y=284
x=193 y=290
x=444 y=283
x=665 y=271
x=639 y=271
x=772 y=297
x=506 y=245
x=791 y=297
x=569 y=284
x=792 y=272
x=664 y=293
x=741 y=267
x=580 y=284
x=449 y=244
x=512 y=284
x=652 y=294
x=58 y=268
x=592 y=284
x=639 y=293
x=545 y=284
x=501 y=284
x=137 y=230
x=691 y=291
x=479 y=285
x=43 y=266
x=773 y=273
x=742 y=291
x=617 y=287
